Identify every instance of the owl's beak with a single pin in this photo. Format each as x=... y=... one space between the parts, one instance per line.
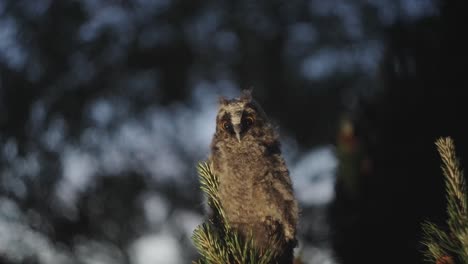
x=237 y=130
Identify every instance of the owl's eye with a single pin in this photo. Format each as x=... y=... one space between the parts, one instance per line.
x=226 y=125
x=248 y=121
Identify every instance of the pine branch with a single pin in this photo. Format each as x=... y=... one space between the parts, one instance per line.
x=455 y=184
x=215 y=240
x=445 y=247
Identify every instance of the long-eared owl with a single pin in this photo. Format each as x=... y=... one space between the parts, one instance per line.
x=255 y=189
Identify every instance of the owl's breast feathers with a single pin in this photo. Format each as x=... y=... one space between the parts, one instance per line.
x=255 y=189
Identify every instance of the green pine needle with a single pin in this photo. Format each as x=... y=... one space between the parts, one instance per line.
x=215 y=241
x=452 y=243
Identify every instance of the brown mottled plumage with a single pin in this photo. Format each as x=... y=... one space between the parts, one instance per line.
x=254 y=185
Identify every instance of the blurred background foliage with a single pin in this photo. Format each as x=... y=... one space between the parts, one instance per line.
x=106 y=107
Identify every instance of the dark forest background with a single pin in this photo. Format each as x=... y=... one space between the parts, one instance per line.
x=107 y=106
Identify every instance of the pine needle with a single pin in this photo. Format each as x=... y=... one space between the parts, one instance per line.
x=215 y=241
x=454 y=180
x=453 y=243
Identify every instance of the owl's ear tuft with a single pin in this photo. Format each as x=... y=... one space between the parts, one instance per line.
x=222 y=100
x=246 y=95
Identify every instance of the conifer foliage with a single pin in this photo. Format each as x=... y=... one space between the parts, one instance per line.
x=451 y=246
x=215 y=240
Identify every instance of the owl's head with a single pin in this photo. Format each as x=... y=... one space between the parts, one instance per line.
x=241 y=118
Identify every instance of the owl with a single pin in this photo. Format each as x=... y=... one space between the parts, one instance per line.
x=255 y=189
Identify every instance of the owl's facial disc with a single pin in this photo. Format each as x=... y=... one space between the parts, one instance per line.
x=242 y=122
x=237 y=118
